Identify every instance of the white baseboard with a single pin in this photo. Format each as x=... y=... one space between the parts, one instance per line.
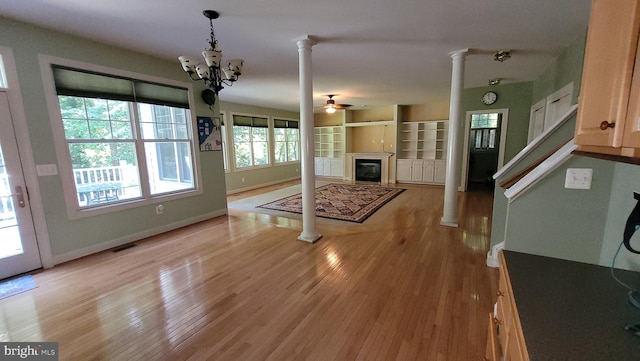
x=103 y=246
x=261 y=185
x=492 y=256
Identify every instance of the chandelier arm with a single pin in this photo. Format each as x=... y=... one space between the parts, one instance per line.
x=192 y=78
x=227 y=82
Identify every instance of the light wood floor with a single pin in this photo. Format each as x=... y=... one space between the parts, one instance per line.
x=397 y=287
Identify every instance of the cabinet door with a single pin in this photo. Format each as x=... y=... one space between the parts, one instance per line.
x=440 y=171
x=319 y=166
x=326 y=167
x=631 y=137
x=337 y=167
x=606 y=76
x=428 y=171
x=492 y=352
x=416 y=171
x=403 y=170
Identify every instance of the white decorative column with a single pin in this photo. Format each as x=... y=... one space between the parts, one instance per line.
x=309 y=233
x=450 y=213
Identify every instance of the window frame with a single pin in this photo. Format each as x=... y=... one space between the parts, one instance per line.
x=224 y=135
x=74 y=210
x=232 y=144
x=273 y=131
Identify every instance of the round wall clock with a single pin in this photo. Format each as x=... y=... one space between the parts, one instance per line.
x=489 y=98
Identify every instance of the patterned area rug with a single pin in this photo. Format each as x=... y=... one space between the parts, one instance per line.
x=346 y=202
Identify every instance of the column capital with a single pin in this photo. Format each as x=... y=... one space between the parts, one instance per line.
x=306 y=41
x=459 y=53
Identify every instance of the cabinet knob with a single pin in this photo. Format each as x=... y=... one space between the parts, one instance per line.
x=605 y=124
x=499 y=293
x=497 y=321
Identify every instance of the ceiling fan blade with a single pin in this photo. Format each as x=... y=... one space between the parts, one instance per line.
x=342 y=106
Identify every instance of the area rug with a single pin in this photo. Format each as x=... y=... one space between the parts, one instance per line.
x=346 y=202
x=16 y=285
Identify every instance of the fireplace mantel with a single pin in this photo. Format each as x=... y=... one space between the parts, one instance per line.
x=385 y=171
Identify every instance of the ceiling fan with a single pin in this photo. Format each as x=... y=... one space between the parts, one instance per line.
x=331 y=106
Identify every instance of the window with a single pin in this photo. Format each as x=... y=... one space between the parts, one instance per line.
x=484 y=130
x=127 y=139
x=3 y=75
x=223 y=138
x=250 y=138
x=286 y=140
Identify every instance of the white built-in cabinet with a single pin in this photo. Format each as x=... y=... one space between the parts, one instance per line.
x=329 y=167
x=422 y=152
x=329 y=144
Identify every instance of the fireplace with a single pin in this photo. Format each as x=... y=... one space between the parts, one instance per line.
x=369 y=167
x=368 y=170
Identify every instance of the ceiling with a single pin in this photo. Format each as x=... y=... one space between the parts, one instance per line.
x=369 y=52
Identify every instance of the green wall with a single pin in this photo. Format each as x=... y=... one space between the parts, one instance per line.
x=70 y=238
x=626 y=180
x=563 y=70
x=238 y=180
x=517 y=98
x=550 y=220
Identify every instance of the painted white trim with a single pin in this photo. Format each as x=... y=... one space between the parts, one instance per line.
x=261 y=185
x=232 y=146
x=21 y=128
x=103 y=246
x=539 y=106
x=225 y=141
x=542 y=170
x=467 y=131
x=535 y=143
x=62 y=152
x=370 y=124
x=492 y=256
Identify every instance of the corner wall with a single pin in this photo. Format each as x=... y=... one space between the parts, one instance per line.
x=74 y=238
x=243 y=179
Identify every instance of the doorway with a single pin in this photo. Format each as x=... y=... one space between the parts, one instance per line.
x=19 y=251
x=483 y=155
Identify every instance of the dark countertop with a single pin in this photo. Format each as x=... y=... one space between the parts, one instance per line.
x=573 y=311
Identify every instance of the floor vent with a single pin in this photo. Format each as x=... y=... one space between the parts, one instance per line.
x=123 y=247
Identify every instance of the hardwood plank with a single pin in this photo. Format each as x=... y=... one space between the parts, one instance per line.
x=241 y=287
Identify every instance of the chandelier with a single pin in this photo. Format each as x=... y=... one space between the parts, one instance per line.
x=213 y=72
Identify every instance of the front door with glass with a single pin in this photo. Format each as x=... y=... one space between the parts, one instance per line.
x=18 y=247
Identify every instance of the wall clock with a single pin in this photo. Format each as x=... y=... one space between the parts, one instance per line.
x=489 y=98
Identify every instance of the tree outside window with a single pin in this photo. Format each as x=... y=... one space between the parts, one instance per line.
x=251 y=141
x=287 y=140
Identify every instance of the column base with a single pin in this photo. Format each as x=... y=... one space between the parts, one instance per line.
x=449 y=222
x=310 y=239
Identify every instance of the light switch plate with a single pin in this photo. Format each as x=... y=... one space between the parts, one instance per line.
x=46 y=170
x=578 y=178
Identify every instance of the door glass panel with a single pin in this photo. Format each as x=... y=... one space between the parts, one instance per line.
x=10 y=244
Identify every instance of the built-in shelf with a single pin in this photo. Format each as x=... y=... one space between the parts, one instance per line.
x=329 y=142
x=423 y=140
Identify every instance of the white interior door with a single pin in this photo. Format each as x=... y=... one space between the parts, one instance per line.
x=536 y=119
x=558 y=103
x=18 y=247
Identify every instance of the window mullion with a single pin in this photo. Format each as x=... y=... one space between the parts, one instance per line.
x=142 y=159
